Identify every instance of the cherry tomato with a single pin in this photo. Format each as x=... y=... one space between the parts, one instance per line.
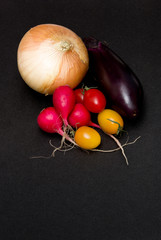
x=79 y=95
x=94 y=100
x=110 y=121
x=87 y=137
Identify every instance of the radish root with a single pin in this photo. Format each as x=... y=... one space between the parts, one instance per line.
x=68 y=147
x=68 y=135
x=119 y=144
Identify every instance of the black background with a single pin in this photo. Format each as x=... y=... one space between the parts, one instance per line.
x=78 y=195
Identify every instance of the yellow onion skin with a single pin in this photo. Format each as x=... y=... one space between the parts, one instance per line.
x=50 y=56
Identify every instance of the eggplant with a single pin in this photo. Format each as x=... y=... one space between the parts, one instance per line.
x=119 y=83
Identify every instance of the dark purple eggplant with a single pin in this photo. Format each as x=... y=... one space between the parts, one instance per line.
x=117 y=80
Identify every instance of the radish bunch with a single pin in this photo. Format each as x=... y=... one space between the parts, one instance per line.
x=65 y=113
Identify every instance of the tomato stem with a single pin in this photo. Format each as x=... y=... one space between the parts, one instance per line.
x=119 y=127
x=86 y=88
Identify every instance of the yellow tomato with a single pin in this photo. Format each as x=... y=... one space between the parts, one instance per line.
x=87 y=137
x=110 y=121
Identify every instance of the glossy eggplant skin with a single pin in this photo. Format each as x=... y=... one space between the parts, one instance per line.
x=119 y=83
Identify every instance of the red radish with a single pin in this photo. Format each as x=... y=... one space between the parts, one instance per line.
x=50 y=121
x=80 y=116
x=64 y=101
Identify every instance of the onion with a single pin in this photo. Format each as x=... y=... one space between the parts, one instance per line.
x=50 y=56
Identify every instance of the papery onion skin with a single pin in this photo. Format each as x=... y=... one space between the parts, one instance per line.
x=50 y=56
